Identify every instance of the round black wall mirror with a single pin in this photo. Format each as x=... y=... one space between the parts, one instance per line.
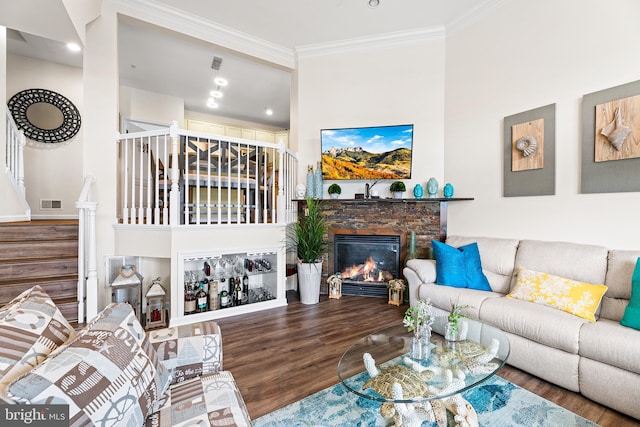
x=44 y=115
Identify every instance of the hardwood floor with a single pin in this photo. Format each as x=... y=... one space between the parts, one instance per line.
x=281 y=355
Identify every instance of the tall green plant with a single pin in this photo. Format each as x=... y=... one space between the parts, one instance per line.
x=309 y=233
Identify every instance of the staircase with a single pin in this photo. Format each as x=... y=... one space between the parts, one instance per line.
x=41 y=252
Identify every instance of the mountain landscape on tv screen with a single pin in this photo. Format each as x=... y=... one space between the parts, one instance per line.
x=356 y=163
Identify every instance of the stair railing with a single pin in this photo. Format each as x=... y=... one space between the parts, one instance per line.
x=15 y=152
x=87 y=253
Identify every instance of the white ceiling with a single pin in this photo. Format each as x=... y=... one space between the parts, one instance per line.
x=163 y=61
x=295 y=23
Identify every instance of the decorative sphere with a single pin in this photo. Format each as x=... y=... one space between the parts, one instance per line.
x=418 y=192
x=447 y=191
x=432 y=187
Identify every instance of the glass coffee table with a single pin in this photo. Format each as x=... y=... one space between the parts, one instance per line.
x=411 y=388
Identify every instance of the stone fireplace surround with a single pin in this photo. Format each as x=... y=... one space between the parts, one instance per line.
x=427 y=217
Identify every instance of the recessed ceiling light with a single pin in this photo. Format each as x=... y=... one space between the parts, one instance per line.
x=73 y=47
x=216 y=94
x=268 y=111
x=374 y=3
x=220 y=81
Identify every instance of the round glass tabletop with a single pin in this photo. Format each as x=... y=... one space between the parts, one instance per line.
x=452 y=366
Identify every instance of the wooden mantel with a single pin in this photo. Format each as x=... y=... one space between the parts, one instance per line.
x=368 y=207
x=427 y=217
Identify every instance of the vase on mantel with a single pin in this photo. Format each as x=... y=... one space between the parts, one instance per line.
x=310 y=186
x=317 y=180
x=411 y=252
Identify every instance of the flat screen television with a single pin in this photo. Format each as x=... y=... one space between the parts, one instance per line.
x=375 y=152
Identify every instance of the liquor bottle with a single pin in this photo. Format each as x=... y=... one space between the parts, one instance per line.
x=238 y=292
x=232 y=291
x=201 y=299
x=189 y=299
x=213 y=295
x=224 y=299
x=245 y=288
x=205 y=286
x=223 y=287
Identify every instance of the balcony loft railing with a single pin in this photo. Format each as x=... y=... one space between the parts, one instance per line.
x=178 y=177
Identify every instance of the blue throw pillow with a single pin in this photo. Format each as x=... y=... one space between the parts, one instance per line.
x=459 y=267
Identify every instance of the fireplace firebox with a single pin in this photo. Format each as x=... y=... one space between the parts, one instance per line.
x=366 y=262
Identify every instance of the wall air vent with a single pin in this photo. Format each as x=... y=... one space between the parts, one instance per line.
x=46 y=204
x=215 y=64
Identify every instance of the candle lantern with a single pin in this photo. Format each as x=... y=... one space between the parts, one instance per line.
x=396 y=290
x=156 y=300
x=335 y=286
x=127 y=288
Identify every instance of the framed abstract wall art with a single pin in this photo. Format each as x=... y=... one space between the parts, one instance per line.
x=529 y=153
x=611 y=140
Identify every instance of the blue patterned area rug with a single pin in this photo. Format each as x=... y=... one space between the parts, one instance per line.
x=498 y=403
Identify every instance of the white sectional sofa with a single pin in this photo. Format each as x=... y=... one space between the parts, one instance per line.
x=600 y=360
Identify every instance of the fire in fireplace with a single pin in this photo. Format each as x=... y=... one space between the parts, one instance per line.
x=366 y=262
x=367 y=272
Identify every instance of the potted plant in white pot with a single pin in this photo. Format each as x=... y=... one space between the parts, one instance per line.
x=334 y=191
x=308 y=234
x=397 y=188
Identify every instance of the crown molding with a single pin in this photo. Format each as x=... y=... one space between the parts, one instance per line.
x=473 y=15
x=203 y=29
x=395 y=39
x=186 y=23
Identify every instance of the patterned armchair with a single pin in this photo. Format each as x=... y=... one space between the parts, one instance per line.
x=112 y=372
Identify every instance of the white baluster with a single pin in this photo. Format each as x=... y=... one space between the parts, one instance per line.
x=175 y=187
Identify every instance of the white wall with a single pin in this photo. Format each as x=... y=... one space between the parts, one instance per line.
x=151 y=107
x=53 y=172
x=386 y=86
x=212 y=118
x=522 y=56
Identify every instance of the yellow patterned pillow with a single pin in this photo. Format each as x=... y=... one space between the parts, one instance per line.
x=578 y=298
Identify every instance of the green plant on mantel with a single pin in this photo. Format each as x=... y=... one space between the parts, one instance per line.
x=397 y=187
x=334 y=189
x=308 y=233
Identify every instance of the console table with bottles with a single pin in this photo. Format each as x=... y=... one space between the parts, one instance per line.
x=214 y=284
